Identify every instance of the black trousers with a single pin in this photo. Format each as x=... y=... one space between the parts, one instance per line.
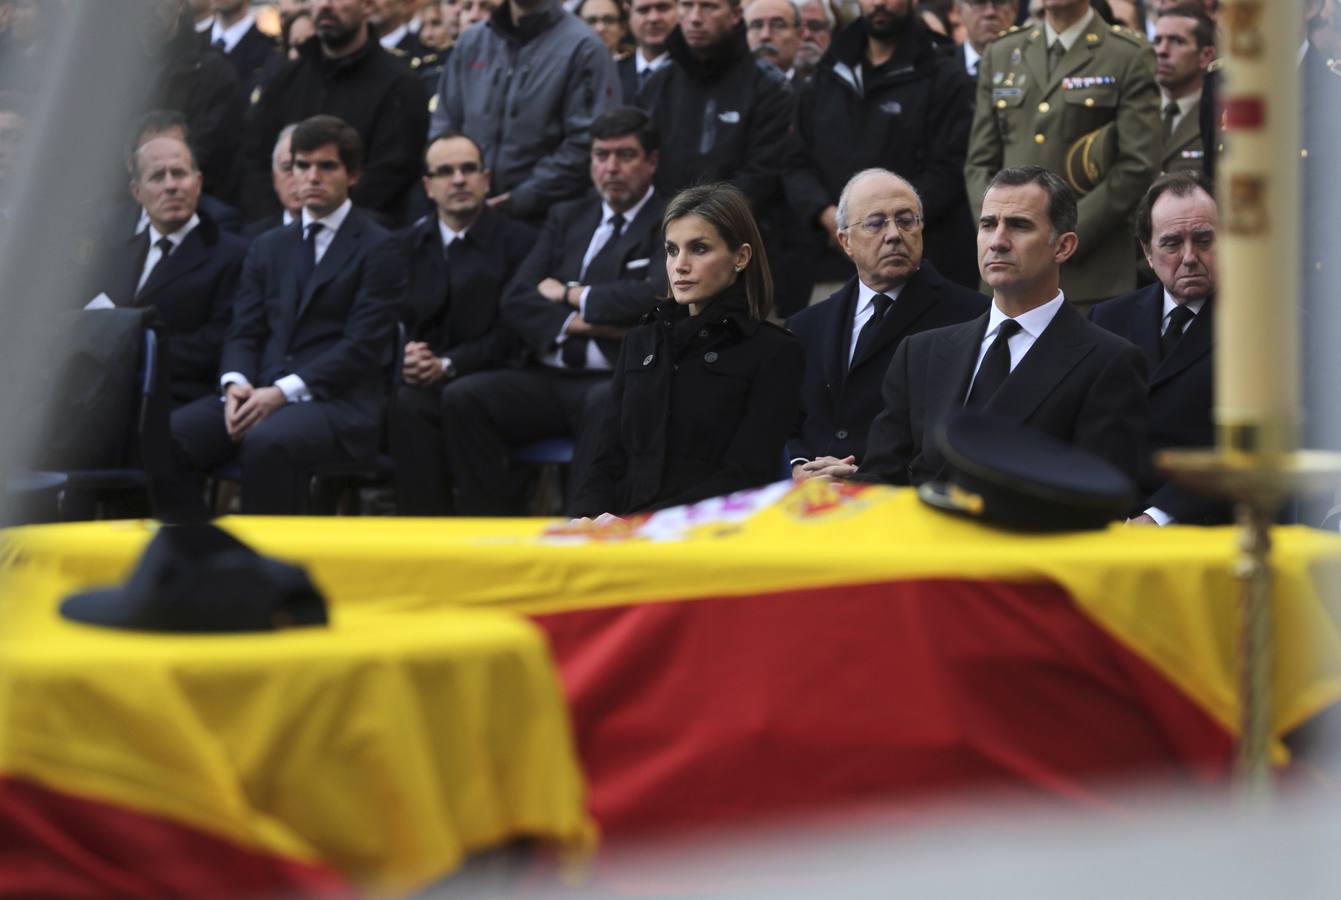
x=277 y=457
x=423 y=476
x=486 y=415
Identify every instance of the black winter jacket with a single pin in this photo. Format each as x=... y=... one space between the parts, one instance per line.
x=700 y=407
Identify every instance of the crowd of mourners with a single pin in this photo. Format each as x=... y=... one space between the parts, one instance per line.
x=697 y=245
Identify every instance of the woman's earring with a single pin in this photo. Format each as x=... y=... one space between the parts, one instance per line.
x=738 y=268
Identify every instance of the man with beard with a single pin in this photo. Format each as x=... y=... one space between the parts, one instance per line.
x=347 y=74
x=597 y=269
x=817 y=25
x=1069 y=87
x=650 y=22
x=1171 y=322
x=886 y=95
x=727 y=117
x=525 y=87
x=773 y=29
x=459 y=260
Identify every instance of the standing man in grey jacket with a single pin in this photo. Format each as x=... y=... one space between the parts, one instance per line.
x=525 y=85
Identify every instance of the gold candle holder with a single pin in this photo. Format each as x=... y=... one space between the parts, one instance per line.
x=1258 y=482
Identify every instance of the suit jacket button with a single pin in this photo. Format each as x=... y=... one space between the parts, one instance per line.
x=710 y=356
x=647 y=360
x=841 y=434
x=703 y=332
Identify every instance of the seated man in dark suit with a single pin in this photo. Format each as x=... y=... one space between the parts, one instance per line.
x=304 y=363
x=597 y=268
x=182 y=265
x=851 y=337
x=1171 y=321
x=459 y=261
x=1032 y=359
x=286 y=189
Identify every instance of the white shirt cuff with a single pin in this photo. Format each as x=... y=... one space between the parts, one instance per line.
x=233 y=378
x=563 y=332
x=1160 y=516
x=293 y=389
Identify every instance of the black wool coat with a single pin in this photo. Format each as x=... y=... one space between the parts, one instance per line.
x=700 y=407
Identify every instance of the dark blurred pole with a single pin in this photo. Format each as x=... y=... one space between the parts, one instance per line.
x=84 y=89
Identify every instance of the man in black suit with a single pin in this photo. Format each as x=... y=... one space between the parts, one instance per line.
x=850 y=337
x=1171 y=322
x=1032 y=359
x=182 y=265
x=459 y=261
x=286 y=189
x=304 y=362
x=235 y=35
x=597 y=268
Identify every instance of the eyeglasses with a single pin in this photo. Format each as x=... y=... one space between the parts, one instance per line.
x=999 y=4
x=447 y=170
x=906 y=222
x=774 y=24
x=593 y=21
x=815 y=26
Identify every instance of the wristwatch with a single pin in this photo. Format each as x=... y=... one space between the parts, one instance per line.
x=448 y=370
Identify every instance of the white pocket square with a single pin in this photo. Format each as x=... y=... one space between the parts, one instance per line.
x=637 y=264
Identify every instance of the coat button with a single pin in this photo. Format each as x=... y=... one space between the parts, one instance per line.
x=1001 y=104
x=1038 y=138
x=647 y=360
x=710 y=356
x=1044 y=107
x=841 y=434
x=1089 y=101
x=703 y=332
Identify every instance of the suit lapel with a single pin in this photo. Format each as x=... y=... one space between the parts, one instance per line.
x=1061 y=345
x=955 y=354
x=1149 y=318
x=1187 y=132
x=188 y=256
x=340 y=250
x=1036 y=59
x=1195 y=343
x=835 y=355
x=579 y=238
x=907 y=309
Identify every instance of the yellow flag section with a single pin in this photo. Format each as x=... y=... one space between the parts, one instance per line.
x=1166 y=593
x=387 y=748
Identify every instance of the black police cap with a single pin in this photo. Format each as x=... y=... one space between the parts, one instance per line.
x=1014 y=476
x=198 y=578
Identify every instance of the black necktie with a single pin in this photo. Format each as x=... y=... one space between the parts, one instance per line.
x=995 y=368
x=307 y=261
x=575 y=346
x=164 y=250
x=616 y=229
x=1179 y=316
x=1170 y=112
x=221 y=46
x=1055 y=54
x=643 y=75
x=866 y=336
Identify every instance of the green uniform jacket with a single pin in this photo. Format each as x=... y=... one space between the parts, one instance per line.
x=1185 y=152
x=1023 y=117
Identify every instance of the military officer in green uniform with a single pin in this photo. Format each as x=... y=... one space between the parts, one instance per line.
x=1184 y=53
x=1078 y=97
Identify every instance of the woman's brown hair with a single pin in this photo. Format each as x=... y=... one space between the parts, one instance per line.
x=725 y=208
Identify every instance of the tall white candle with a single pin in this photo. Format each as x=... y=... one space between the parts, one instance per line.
x=1257 y=319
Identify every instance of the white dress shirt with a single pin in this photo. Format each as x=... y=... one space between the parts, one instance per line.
x=1032 y=324
x=394 y=37
x=1070 y=35
x=155 y=254
x=866 y=309
x=233 y=33
x=292 y=386
x=642 y=64
x=1186 y=106
x=971 y=58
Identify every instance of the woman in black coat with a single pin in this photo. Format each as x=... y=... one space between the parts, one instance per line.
x=705 y=391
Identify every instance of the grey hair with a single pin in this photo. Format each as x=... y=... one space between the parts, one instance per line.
x=861 y=176
x=795 y=5
x=285 y=133
x=823 y=4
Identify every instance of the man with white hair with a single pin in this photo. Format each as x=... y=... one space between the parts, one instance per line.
x=850 y=338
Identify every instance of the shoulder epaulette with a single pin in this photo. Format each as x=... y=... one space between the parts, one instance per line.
x=1130 y=36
